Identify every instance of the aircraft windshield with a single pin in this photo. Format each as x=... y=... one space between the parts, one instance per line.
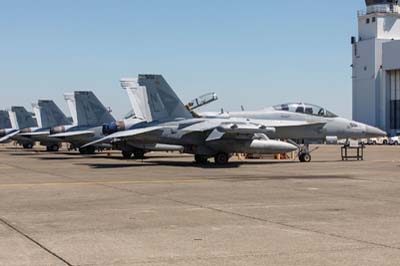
x=305 y=108
x=130 y=114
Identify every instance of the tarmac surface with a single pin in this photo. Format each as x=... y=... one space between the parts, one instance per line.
x=66 y=209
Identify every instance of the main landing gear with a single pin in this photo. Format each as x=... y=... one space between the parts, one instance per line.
x=55 y=147
x=137 y=154
x=219 y=159
x=87 y=150
x=27 y=146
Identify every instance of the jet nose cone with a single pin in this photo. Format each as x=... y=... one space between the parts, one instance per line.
x=373 y=132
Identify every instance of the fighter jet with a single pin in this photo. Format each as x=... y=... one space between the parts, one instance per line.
x=88 y=115
x=8 y=126
x=141 y=113
x=22 y=120
x=169 y=121
x=47 y=115
x=333 y=129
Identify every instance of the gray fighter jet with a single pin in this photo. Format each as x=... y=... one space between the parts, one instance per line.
x=8 y=126
x=141 y=113
x=22 y=120
x=47 y=115
x=333 y=129
x=167 y=120
x=88 y=115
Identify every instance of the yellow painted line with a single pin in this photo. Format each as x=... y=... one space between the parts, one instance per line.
x=105 y=183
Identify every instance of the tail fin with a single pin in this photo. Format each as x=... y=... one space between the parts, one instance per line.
x=90 y=111
x=48 y=114
x=5 y=121
x=138 y=97
x=164 y=104
x=70 y=99
x=13 y=120
x=24 y=118
x=36 y=111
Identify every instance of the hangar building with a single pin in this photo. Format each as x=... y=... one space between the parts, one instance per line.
x=376 y=66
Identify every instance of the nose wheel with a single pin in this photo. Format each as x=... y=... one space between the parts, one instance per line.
x=305 y=153
x=305 y=157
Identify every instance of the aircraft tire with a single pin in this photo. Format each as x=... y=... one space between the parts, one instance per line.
x=305 y=158
x=27 y=146
x=221 y=158
x=55 y=147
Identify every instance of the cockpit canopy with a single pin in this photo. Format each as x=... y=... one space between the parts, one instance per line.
x=305 y=108
x=129 y=115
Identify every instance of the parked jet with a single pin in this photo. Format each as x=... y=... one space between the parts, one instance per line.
x=22 y=120
x=141 y=114
x=47 y=115
x=169 y=121
x=334 y=127
x=8 y=126
x=88 y=115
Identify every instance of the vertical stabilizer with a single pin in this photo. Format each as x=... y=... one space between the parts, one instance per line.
x=13 y=120
x=138 y=97
x=90 y=111
x=36 y=111
x=51 y=115
x=163 y=103
x=5 y=121
x=24 y=118
x=70 y=99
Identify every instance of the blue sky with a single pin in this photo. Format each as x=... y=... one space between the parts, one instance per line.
x=253 y=53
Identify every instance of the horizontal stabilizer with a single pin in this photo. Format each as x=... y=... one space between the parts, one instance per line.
x=7 y=137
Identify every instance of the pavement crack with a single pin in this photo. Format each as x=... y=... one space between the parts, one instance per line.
x=37 y=243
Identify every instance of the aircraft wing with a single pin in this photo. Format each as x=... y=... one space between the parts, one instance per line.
x=7 y=137
x=243 y=130
x=127 y=134
x=73 y=134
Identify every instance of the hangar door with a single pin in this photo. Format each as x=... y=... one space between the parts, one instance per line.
x=394 y=77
